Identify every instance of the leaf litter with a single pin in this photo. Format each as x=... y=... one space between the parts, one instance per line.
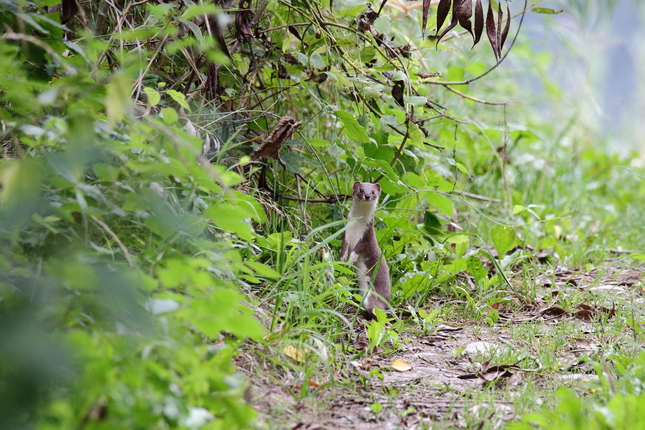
x=465 y=374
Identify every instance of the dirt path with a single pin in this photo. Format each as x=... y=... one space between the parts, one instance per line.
x=469 y=375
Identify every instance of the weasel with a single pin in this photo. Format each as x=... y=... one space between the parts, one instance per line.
x=361 y=249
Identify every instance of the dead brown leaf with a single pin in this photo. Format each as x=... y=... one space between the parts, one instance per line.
x=69 y=9
x=401 y=365
x=244 y=20
x=282 y=132
x=554 y=311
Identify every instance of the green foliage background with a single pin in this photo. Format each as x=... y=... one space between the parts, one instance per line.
x=135 y=262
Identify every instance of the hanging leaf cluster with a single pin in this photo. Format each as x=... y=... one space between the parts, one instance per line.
x=462 y=12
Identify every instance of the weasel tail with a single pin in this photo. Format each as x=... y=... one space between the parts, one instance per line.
x=361 y=248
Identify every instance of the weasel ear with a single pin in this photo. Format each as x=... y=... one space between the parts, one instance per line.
x=378 y=187
x=356 y=185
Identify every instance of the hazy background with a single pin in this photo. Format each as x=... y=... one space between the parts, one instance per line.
x=599 y=54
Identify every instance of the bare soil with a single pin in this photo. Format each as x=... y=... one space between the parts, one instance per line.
x=462 y=375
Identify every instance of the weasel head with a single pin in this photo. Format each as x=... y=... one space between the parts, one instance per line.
x=366 y=191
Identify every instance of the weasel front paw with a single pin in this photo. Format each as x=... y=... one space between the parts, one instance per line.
x=353 y=258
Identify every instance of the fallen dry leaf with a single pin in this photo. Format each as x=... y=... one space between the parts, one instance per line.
x=400 y=365
x=554 y=311
x=310 y=383
x=293 y=353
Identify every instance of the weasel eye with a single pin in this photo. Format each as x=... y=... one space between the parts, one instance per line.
x=372 y=191
x=362 y=190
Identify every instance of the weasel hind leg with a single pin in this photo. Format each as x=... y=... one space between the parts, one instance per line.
x=371 y=301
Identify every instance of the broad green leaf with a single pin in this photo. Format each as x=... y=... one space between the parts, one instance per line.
x=231 y=218
x=153 y=96
x=441 y=202
x=388 y=120
x=431 y=223
x=250 y=205
x=352 y=12
x=352 y=128
x=416 y=136
x=415 y=181
x=169 y=116
x=245 y=326
x=382 y=166
x=221 y=312
x=179 y=98
x=504 y=239
x=367 y=54
x=302 y=58
x=462 y=168
x=382 y=24
x=317 y=61
x=461 y=243
x=518 y=209
x=73 y=273
x=476 y=268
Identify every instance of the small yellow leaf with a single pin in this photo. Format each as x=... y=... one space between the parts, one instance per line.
x=293 y=353
x=400 y=365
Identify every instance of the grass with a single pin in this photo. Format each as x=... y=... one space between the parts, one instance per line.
x=330 y=367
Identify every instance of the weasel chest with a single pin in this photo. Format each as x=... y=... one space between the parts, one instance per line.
x=354 y=233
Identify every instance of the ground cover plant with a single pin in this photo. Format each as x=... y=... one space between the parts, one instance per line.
x=173 y=189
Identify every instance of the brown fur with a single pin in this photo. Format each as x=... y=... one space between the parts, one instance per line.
x=360 y=248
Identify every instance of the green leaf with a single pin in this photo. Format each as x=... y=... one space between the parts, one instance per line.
x=302 y=58
x=442 y=203
x=345 y=42
x=353 y=11
x=475 y=268
x=462 y=168
x=179 y=98
x=169 y=116
x=381 y=166
x=231 y=218
x=221 y=312
x=431 y=223
x=415 y=100
x=319 y=142
x=30 y=20
x=637 y=256
x=388 y=120
x=200 y=9
x=317 y=61
x=153 y=96
x=263 y=270
x=118 y=97
x=244 y=326
x=352 y=128
x=461 y=243
x=518 y=209
x=504 y=239
x=382 y=24
x=367 y=54
x=546 y=10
